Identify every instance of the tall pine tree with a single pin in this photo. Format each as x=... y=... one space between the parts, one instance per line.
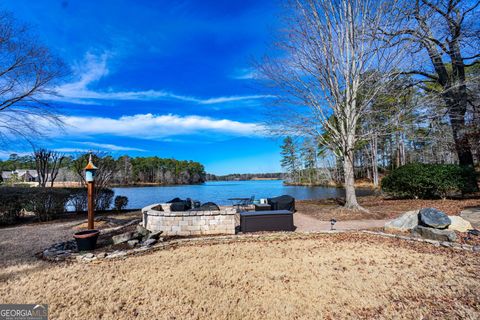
x=289 y=160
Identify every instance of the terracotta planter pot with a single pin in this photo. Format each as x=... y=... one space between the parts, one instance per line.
x=86 y=240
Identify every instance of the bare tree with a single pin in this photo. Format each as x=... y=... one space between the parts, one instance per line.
x=329 y=55
x=448 y=32
x=48 y=164
x=106 y=169
x=27 y=73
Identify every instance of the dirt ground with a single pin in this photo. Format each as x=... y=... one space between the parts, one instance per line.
x=293 y=276
x=379 y=207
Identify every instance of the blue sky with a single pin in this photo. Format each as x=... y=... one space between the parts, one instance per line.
x=165 y=78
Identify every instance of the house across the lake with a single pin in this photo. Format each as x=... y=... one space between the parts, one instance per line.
x=23 y=175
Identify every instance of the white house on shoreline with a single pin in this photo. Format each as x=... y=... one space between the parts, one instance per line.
x=20 y=175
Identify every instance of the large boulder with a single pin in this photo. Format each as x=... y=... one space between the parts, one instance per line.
x=459 y=224
x=434 y=234
x=433 y=218
x=405 y=222
x=472 y=215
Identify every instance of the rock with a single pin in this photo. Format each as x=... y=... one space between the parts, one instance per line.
x=141 y=249
x=445 y=244
x=472 y=215
x=49 y=253
x=154 y=235
x=459 y=224
x=143 y=231
x=474 y=232
x=434 y=234
x=89 y=255
x=132 y=243
x=89 y=259
x=149 y=242
x=122 y=238
x=137 y=235
x=116 y=254
x=64 y=254
x=433 y=218
x=476 y=248
x=405 y=222
x=102 y=255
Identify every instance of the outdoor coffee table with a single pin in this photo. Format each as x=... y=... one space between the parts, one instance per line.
x=238 y=202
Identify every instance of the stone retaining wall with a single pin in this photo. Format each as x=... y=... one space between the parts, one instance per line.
x=188 y=223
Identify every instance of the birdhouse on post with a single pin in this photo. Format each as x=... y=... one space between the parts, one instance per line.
x=90 y=171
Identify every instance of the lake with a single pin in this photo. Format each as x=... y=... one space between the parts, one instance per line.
x=220 y=191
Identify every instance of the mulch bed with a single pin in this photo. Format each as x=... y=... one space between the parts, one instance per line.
x=380 y=207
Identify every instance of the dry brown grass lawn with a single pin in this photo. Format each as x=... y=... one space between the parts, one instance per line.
x=294 y=277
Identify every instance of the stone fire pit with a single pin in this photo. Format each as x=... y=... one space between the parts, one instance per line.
x=159 y=217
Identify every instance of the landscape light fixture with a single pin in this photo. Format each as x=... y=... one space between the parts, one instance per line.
x=332 y=223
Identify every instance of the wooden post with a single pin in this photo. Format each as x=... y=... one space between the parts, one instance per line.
x=90 y=187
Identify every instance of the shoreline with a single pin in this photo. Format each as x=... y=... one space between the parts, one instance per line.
x=361 y=184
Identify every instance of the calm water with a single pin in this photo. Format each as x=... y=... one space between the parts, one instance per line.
x=220 y=191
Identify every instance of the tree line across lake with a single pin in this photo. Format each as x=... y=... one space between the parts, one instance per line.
x=124 y=170
x=245 y=176
x=51 y=169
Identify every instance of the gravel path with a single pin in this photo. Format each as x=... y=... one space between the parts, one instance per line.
x=19 y=244
x=306 y=223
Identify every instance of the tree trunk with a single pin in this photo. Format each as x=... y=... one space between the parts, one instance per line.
x=374 y=161
x=456 y=113
x=476 y=134
x=349 y=181
x=401 y=149
x=397 y=150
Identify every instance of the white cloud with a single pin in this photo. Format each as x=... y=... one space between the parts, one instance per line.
x=150 y=126
x=111 y=147
x=72 y=150
x=246 y=74
x=94 y=68
x=232 y=99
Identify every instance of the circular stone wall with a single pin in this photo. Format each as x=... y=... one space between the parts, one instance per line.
x=188 y=223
